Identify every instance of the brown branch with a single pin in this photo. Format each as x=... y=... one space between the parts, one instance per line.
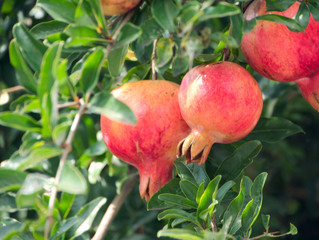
x=263 y=235
x=69 y=104
x=214 y=224
x=12 y=89
x=67 y=149
x=154 y=57
x=113 y=209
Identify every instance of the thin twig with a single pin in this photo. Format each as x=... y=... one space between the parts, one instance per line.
x=263 y=235
x=12 y=89
x=67 y=149
x=154 y=57
x=214 y=224
x=113 y=209
x=69 y=104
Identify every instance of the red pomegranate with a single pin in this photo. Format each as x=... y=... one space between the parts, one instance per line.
x=309 y=87
x=150 y=145
x=221 y=102
x=276 y=52
x=117 y=7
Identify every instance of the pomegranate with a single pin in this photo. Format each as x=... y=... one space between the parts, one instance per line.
x=150 y=145
x=221 y=102
x=309 y=87
x=276 y=52
x=117 y=7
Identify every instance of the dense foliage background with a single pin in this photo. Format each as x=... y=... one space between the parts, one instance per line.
x=64 y=57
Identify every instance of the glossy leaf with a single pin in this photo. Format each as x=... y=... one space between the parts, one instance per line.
x=91 y=70
x=177 y=200
x=11 y=180
x=232 y=166
x=164 y=53
x=48 y=89
x=292 y=24
x=253 y=207
x=189 y=189
x=44 y=29
x=208 y=196
x=164 y=13
x=31 y=49
x=222 y=9
x=23 y=72
x=183 y=234
x=72 y=181
x=128 y=34
x=178 y=213
x=61 y=10
x=105 y=103
x=33 y=184
x=171 y=187
x=221 y=192
x=303 y=15
x=20 y=122
x=273 y=5
x=274 y=129
x=314 y=10
x=200 y=191
x=116 y=60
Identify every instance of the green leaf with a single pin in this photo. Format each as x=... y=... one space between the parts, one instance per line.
x=44 y=29
x=177 y=200
x=32 y=50
x=23 y=72
x=36 y=156
x=207 y=197
x=116 y=60
x=8 y=226
x=273 y=130
x=128 y=34
x=139 y=73
x=164 y=53
x=180 y=65
x=237 y=28
x=82 y=31
x=200 y=191
x=82 y=221
x=83 y=15
x=164 y=13
x=265 y=220
x=150 y=31
x=303 y=15
x=91 y=70
x=292 y=24
x=61 y=10
x=282 y=5
x=20 y=122
x=183 y=234
x=105 y=103
x=314 y=10
x=234 y=209
x=33 y=184
x=72 y=181
x=189 y=189
x=11 y=180
x=48 y=88
x=171 y=187
x=293 y=230
x=252 y=209
x=223 y=190
x=178 y=213
x=232 y=166
x=222 y=9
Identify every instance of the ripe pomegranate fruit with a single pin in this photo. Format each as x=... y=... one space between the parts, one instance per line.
x=276 y=52
x=117 y=7
x=221 y=102
x=150 y=145
x=282 y=55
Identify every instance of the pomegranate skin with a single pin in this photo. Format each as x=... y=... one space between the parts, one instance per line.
x=117 y=7
x=221 y=102
x=276 y=52
x=309 y=87
x=150 y=145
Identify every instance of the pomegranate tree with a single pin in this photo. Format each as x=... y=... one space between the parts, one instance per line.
x=280 y=54
x=117 y=7
x=221 y=102
x=150 y=145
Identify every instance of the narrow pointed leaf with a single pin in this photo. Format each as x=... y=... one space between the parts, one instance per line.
x=20 y=122
x=183 y=234
x=62 y=10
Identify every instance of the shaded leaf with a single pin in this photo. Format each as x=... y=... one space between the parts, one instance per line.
x=222 y=9
x=164 y=13
x=20 y=122
x=62 y=10
x=292 y=24
x=44 y=29
x=105 y=103
x=189 y=189
x=282 y=5
x=183 y=234
x=116 y=60
x=11 y=180
x=178 y=213
x=177 y=200
x=128 y=34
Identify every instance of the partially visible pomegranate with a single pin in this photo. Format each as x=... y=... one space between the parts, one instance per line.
x=221 y=102
x=276 y=52
x=117 y=7
x=309 y=87
x=150 y=145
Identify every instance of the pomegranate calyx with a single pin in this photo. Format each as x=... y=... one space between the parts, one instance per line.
x=195 y=148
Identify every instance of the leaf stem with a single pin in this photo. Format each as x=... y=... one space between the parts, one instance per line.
x=113 y=209
x=263 y=235
x=214 y=224
x=14 y=89
x=67 y=149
